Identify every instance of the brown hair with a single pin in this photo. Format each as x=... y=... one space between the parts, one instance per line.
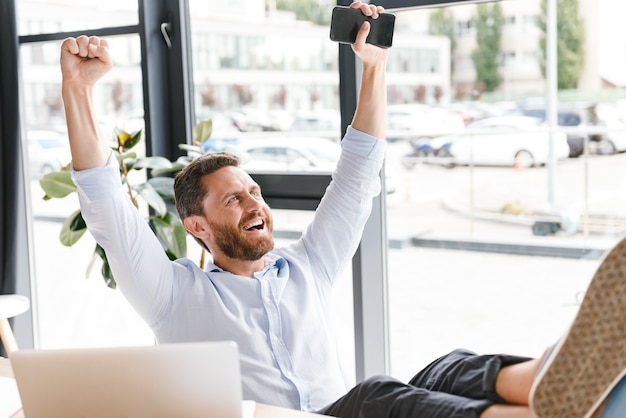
x=189 y=193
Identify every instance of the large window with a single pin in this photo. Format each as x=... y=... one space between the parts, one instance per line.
x=492 y=241
x=492 y=232
x=277 y=102
x=72 y=307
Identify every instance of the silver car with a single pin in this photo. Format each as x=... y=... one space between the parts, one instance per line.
x=48 y=151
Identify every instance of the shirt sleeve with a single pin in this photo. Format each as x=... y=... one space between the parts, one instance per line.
x=140 y=266
x=364 y=145
x=332 y=238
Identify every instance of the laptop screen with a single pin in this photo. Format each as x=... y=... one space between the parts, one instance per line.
x=170 y=380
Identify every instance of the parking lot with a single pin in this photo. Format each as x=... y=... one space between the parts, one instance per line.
x=440 y=299
x=462 y=200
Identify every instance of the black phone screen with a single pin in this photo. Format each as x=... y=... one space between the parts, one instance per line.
x=346 y=21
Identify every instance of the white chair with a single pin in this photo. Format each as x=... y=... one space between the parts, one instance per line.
x=10 y=306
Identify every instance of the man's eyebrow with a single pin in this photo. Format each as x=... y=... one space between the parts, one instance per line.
x=230 y=194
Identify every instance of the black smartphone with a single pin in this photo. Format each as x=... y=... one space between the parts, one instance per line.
x=346 y=21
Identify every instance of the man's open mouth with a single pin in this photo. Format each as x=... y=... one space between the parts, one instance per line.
x=258 y=224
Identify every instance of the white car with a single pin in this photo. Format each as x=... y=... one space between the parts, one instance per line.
x=422 y=121
x=289 y=154
x=48 y=151
x=295 y=154
x=504 y=140
x=614 y=118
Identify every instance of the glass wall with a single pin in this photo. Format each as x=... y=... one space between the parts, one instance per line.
x=72 y=306
x=51 y=16
x=275 y=99
x=494 y=234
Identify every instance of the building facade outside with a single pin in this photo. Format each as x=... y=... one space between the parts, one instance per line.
x=264 y=64
x=604 y=48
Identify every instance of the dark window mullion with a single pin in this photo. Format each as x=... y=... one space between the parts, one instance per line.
x=167 y=76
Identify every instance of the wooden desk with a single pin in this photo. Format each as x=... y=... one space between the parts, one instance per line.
x=262 y=410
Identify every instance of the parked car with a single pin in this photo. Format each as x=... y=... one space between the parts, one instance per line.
x=316 y=121
x=289 y=154
x=472 y=111
x=225 y=132
x=421 y=121
x=295 y=154
x=48 y=151
x=506 y=140
x=614 y=118
x=582 y=115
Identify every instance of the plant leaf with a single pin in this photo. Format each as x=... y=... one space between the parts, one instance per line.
x=150 y=195
x=57 y=184
x=107 y=274
x=172 y=235
x=152 y=163
x=122 y=138
x=134 y=139
x=124 y=155
x=78 y=223
x=175 y=167
x=184 y=160
x=164 y=186
x=105 y=270
x=126 y=158
x=202 y=131
x=72 y=229
x=193 y=150
x=92 y=262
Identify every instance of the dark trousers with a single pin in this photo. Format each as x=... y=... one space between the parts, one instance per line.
x=458 y=385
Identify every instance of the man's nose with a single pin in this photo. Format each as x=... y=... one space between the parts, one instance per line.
x=252 y=202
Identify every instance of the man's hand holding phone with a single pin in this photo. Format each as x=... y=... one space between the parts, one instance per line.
x=346 y=22
x=371 y=110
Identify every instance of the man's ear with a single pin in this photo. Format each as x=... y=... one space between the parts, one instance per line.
x=196 y=226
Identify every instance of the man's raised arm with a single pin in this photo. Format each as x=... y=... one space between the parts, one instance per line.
x=371 y=112
x=84 y=60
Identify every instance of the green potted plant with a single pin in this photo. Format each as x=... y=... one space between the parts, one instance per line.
x=155 y=193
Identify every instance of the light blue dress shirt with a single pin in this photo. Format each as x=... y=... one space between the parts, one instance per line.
x=281 y=318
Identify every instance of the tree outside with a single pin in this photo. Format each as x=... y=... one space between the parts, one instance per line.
x=570 y=42
x=488 y=22
x=441 y=23
x=309 y=10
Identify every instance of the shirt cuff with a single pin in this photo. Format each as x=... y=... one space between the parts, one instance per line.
x=98 y=182
x=364 y=145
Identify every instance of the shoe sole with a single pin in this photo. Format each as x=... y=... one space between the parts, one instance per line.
x=587 y=362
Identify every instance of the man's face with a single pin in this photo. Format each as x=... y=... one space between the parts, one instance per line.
x=238 y=218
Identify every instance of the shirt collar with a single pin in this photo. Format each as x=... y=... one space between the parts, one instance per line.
x=270 y=260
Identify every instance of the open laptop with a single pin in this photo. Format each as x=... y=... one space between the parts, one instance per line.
x=169 y=380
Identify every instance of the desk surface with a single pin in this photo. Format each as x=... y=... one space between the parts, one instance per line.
x=262 y=411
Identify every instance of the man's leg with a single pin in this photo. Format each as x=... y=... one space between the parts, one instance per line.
x=385 y=397
x=459 y=384
x=513 y=383
x=499 y=378
x=591 y=358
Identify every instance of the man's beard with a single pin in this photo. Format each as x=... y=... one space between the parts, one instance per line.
x=236 y=246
